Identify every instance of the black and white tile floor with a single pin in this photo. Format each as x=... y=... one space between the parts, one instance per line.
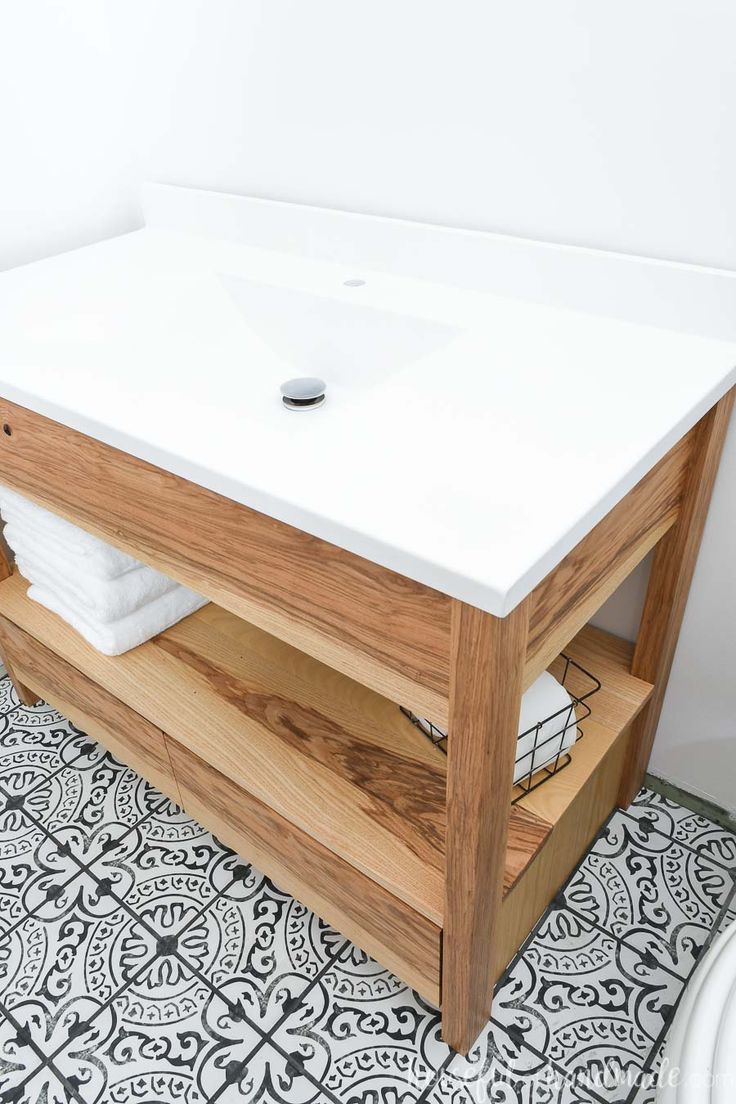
x=140 y=960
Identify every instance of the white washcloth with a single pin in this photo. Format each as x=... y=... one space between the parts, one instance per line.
x=98 y=599
x=101 y=559
x=546 y=700
x=120 y=636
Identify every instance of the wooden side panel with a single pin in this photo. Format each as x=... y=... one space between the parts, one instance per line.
x=130 y=737
x=569 y=596
x=383 y=629
x=669 y=585
x=395 y=934
x=570 y=838
x=485 y=700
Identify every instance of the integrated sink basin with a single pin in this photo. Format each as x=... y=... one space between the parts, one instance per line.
x=346 y=343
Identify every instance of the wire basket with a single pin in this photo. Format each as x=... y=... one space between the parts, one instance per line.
x=545 y=751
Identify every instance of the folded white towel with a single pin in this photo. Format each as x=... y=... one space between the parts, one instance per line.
x=545 y=698
x=101 y=559
x=98 y=599
x=120 y=636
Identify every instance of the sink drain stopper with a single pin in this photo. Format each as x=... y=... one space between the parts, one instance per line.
x=303 y=393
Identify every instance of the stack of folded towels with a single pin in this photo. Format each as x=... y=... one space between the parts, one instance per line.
x=112 y=600
x=547 y=726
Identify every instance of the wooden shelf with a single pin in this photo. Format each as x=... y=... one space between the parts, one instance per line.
x=336 y=760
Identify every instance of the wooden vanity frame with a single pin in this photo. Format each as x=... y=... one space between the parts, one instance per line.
x=442 y=893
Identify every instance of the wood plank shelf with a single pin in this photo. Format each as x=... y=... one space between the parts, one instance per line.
x=263 y=722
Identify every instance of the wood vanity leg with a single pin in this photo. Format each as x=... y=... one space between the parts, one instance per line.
x=26 y=696
x=487 y=664
x=669 y=584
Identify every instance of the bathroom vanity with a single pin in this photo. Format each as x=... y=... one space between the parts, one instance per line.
x=510 y=429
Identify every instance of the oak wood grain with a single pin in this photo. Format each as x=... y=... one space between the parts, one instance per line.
x=669 y=585
x=380 y=628
x=400 y=938
x=569 y=596
x=379 y=802
x=485 y=701
x=128 y=735
x=386 y=630
x=26 y=695
x=290 y=730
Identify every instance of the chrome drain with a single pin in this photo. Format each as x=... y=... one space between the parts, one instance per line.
x=303 y=393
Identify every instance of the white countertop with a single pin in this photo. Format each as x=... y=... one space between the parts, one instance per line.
x=473 y=467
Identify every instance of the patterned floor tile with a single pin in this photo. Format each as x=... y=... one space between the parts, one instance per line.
x=24 y=1078
x=93 y=798
x=362 y=1034
x=159 y=1038
x=18 y=1058
x=31 y=755
x=8 y=697
x=586 y=1002
x=166 y=877
x=682 y=824
x=499 y=1068
x=20 y=839
x=638 y=883
x=273 y=944
x=85 y=952
x=656 y=1073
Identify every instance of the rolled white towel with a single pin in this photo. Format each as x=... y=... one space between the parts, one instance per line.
x=100 y=558
x=546 y=700
x=101 y=600
x=120 y=636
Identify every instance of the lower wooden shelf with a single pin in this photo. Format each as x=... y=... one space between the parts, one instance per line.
x=323 y=783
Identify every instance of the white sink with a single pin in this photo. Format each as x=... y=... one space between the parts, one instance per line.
x=339 y=340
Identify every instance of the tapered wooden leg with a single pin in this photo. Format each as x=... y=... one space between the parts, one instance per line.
x=26 y=696
x=487 y=665
x=669 y=584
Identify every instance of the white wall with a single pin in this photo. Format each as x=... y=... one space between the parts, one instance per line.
x=605 y=124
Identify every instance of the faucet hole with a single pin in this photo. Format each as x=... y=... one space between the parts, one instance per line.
x=355 y=282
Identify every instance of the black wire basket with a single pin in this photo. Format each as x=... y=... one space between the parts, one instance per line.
x=545 y=752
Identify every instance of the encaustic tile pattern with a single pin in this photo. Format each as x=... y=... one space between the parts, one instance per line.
x=141 y=960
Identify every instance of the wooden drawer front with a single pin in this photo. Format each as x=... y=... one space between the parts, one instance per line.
x=400 y=938
x=383 y=629
x=131 y=738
